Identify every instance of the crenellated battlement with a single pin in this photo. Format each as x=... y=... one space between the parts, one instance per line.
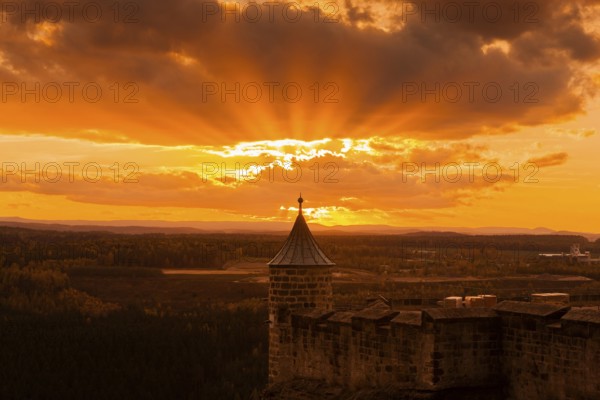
x=377 y=346
x=536 y=350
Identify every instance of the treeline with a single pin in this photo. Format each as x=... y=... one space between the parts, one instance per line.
x=44 y=288
x=21 y=246
x=439 y=253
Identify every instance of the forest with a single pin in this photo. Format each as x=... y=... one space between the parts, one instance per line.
x=59 y=341
x=21 y=246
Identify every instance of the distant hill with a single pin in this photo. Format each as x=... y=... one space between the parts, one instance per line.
x=435 y=233
x=181 y=227
x=133 y=230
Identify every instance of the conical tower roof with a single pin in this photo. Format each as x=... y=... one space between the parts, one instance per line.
x=300 y=248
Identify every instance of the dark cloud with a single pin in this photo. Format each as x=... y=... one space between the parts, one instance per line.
x=380 y=80
x=358 y=14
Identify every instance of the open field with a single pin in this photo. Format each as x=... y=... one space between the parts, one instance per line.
x=183 y=289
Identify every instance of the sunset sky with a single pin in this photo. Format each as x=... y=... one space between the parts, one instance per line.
x=348 y=102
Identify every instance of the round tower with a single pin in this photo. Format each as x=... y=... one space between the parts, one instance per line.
x=299 y=278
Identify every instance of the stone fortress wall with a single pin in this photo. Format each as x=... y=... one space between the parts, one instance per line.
x=542 y=349
x=528 y=350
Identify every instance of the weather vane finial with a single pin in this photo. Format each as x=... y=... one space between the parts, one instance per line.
x=300 y=201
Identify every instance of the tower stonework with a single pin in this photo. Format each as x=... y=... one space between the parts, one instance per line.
x=463 y=349
x=299 y=278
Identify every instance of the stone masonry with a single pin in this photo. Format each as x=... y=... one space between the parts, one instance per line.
x=526 y=350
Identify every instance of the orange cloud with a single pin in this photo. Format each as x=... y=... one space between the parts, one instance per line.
x=344 y=176
x=187 y=74
x=550 y=160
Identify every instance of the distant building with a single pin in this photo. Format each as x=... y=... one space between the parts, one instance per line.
x=574 y=256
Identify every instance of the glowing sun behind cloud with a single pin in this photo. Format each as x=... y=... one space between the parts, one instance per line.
x=377 y=115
